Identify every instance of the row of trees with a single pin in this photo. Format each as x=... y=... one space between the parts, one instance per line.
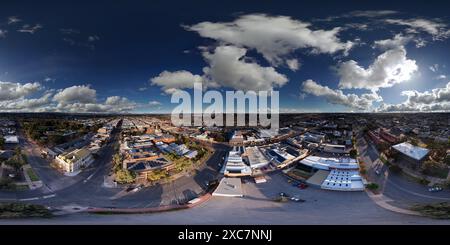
x=17 y=161
x=157 y=175
x=37 y=129
x=123 y=176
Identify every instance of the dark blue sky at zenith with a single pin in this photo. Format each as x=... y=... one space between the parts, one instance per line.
x=130 y=56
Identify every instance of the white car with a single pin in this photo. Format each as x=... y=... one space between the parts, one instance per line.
x=435 y=189
x=137 y=188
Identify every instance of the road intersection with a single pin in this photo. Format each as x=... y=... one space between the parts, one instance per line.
x=77 y=193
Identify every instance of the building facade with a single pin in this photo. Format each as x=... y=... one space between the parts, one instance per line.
x=75 y=160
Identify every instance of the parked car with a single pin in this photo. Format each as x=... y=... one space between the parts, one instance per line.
x=297 y=199
x=435 y=189
x=138 y=188
x=282 y=194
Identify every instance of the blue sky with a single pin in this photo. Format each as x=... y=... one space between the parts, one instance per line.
x=323 y=56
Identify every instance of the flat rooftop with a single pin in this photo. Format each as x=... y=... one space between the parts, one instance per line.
x=414 y=152
x=229 y=187
x=326 y=163
x=13 y=139
x=255 y=156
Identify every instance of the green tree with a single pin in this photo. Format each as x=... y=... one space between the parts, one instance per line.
x=124 y=176
x=117 y=162
x=372 y=186
x=414 y=141
x=434 y=169
x=17 y=161
x=2 y=142
x=353 y=153
x=56 y=139
x=157 y=175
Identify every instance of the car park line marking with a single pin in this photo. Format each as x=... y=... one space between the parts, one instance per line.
x=29 y=199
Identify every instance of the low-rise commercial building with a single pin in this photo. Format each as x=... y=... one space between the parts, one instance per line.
x=337 y=149
x=237 y=138
x=343 y=173
x=11 y=139
x=390 y=138
x=313 y=138
x=412 y=156
x=74 y=160
x=234 y=164
x=255 y=157
x=229 y=187
x=279 y=158
x=145 y=167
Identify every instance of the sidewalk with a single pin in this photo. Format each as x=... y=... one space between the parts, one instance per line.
x=166 y=208
x=382 y=202
x=31 y=184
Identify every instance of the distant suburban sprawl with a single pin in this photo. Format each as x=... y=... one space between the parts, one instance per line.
x=365 y=166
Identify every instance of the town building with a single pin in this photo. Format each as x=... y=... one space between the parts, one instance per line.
x=337 y=149
x=375 y=137
x=75 y=160
x=279 y=158
x=339 y=174
x=411 y=156
x=255 y=157
x=165 y=138
x=390 y=138
x=268 y=133
x=237 y=138
x=11 y=139
x=313 y=138
x=145 y=167
x=234 y=164
x=229 y=187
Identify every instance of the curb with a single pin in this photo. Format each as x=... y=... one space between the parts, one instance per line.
x=167 y=208
x=380 y=201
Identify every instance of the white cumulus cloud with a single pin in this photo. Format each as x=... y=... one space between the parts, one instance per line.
x=75 y=94
x=437 y=99
x=388 y=69
x=363 y=102
x=171 y=82
x=11 y=91
x=229 y=68
x=275 y=37
x=437 y=29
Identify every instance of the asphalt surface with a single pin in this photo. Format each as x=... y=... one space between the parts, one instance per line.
x=257 y=207
x=87 y=189
x=403 y=192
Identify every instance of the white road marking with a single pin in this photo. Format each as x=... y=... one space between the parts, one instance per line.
x=89 y=177
x=49 y=196
x=29 y=199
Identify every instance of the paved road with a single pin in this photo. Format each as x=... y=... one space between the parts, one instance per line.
x=87 y=189
x=256 y=207
x=403 y=191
